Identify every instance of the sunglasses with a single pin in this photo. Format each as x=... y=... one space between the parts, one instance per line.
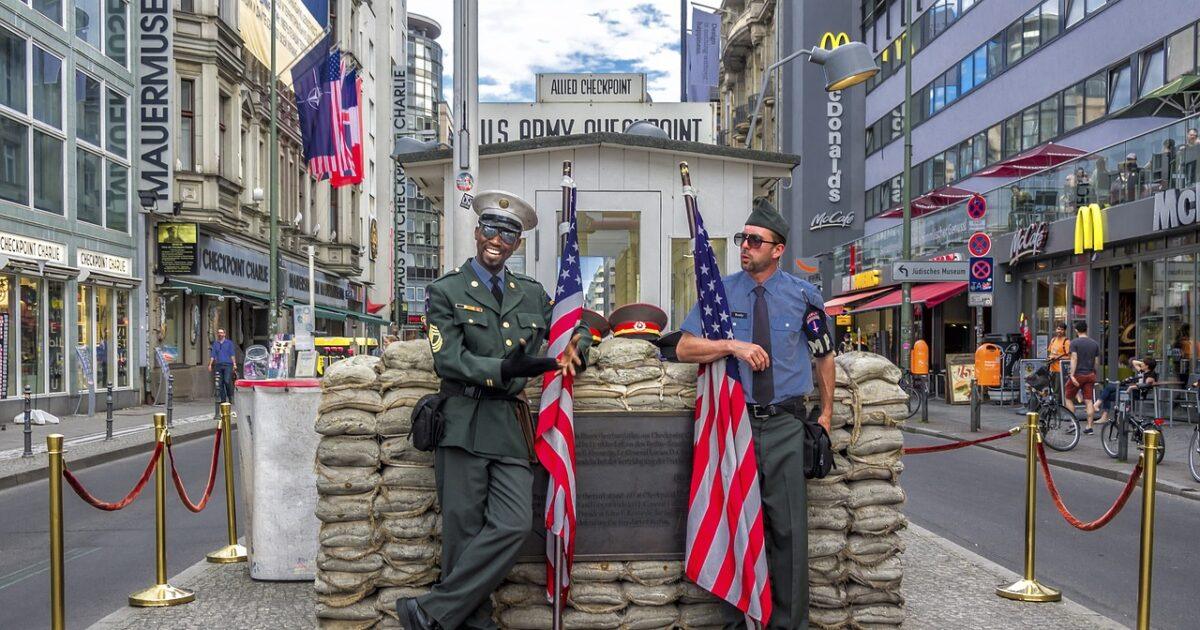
x=508 y=236
x=753 y=241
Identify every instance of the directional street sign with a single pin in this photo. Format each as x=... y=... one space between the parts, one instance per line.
x=925 y=271
x=981 y=275
x=980 y=244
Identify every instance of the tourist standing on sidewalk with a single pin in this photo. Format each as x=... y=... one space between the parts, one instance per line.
x=1085 y=361
x=223 y=357
x=780 y=331
x=1059 y=348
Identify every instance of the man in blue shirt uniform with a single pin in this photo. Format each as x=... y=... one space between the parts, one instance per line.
x=223 y=357
x=780 y=330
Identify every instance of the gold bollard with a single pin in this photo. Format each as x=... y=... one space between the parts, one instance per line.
x=233 y=552
x=1146 y=557
x=58 y=608
x=1029 y=589
x=161 y=594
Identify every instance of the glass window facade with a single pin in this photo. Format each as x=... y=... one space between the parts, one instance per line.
x=683 y=276
x=47 y=88
x=609 y=248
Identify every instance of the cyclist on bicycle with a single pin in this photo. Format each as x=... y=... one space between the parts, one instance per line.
x=1136 y=386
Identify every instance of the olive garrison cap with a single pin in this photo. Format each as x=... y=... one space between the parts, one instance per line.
x=766 y=216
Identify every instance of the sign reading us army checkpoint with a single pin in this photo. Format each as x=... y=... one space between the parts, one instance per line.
x=926 y=271
x=633 y=474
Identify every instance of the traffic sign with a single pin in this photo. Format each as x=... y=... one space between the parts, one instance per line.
x=979 y=299
x=980 y=244
x=976 y=207
x=981 y=274
x=928 y=271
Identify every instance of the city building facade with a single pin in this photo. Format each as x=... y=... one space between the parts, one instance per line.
x=72 y=278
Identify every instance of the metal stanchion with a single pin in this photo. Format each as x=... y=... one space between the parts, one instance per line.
x=170 y=400
x=58 y=608
x=162 y=593
x=1122 y=437
x=1146 y=557
x=28 y=425
x=108 y=409
x=233 y=552
x=976 y=394
x=1029 y=589
x=925 y=403
x=217 y=382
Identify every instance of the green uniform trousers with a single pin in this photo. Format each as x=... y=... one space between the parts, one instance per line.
x=779 y=449
x=487 y=512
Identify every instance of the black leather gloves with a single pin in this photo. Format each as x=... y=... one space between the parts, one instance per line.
x=525 y=366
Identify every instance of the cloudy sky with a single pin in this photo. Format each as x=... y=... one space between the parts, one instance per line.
x=519 y=38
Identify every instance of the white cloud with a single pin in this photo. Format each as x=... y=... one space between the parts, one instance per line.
x=519 y=38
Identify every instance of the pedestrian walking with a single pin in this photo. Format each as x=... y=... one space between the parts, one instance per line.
x=1085 y=362
x=222 y=358
x=780 y=329
x=486 y=326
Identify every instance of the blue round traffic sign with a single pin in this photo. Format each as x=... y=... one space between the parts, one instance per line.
x=976 y=207
x=979 y=244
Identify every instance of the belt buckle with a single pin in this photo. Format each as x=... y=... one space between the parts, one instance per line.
x=760 y=411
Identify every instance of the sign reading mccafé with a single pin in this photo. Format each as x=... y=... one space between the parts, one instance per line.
x=1176 y=208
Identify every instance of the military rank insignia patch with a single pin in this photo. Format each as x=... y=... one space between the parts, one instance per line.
x=435 y=338
x=820 y=342
x=469 y=307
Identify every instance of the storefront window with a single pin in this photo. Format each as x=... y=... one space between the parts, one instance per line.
x=56 y=336
x=1179 y=312
x=1150 y=301
x=171 y=324
x=1042 y=324
x=83 y=338
x=1079 y=280
x=31 y=335
x=123 y=331
x=609 y=243
x=8 y=384
x=683 y=276
x=104 y=336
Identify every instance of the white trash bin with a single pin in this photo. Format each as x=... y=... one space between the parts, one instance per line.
x=276 y=447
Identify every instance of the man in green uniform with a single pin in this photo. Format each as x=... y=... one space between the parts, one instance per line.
x=779 y=330
x=486 y=325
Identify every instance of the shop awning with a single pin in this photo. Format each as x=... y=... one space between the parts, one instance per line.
x=930 y=295
x=326 y=312
x=1036 y=159
x=836 y=306
x=1176 y=99
x=192 y=287
x=253 y=295
x=370 y=319
x=930 y=201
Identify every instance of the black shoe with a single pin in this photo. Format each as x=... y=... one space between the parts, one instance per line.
x=1088 y=431
x=412 y=617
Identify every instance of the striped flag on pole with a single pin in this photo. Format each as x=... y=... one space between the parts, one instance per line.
x=555 y=445
x=725 y=551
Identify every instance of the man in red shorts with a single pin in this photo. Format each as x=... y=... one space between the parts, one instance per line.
x=1085 y=361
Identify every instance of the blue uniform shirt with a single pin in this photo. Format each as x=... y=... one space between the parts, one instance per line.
x=222 y=351
x=787 y=298
x=485 y=276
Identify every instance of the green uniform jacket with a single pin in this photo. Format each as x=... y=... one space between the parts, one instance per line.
x=470 y=335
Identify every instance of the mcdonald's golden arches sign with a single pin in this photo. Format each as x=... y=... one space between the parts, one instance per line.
x=1089 y=229
x=829 y=41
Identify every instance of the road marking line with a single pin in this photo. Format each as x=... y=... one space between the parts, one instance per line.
x=41 y=567
x=98 y=437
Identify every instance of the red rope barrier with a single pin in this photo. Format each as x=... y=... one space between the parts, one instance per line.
x=212 y=477
x=1104 y=518
x=920 y=450
x=77 y=486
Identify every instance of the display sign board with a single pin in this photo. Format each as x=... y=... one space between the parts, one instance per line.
x=237 y=266
x=980 y=299
x=104 y=263
x=960 y=371
x=177 y=248
x=508 y=122
x=83 y=353
x=633 y=471
x=845 y=320
x=1028 y=241
x=922 y=271
x=304 y=318
x=588 y=87
x=27 y=248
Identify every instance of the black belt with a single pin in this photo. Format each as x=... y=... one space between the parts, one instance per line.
x=766 y=411
x=477 y=392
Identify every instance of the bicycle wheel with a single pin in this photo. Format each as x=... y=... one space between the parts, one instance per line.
x=1140 y=438
x=1194 y=454
x=914 y=397
x=1060 y=429
x=1110 y=437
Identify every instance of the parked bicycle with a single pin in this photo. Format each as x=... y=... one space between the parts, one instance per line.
x=1058 y=426
x=917 y=390
x=1136 y=426
x=1194 y=453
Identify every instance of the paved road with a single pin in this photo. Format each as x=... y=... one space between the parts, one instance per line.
x=975 y=497
x=109 y=554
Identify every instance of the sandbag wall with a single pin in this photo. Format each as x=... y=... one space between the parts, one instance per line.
x=379 y=537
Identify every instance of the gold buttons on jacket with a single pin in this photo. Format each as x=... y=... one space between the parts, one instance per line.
x=474 y=283
x=505 y=324
x=508 y=342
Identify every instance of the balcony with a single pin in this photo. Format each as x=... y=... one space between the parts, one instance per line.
x=741 y=119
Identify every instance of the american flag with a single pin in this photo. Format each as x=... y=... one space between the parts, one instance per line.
x=336 y=157
x=725 y=546
x=555 y=444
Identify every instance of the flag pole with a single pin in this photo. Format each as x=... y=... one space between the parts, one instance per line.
x=558 y=573
x=560 y=553
x=273 y=179
x=689 y=197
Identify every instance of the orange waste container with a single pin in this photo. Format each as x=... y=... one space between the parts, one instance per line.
x=920 y=358
x=988 y=362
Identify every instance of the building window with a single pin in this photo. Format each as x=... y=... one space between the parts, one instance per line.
x=1048 y=125
x=1049 y=20
x=49 y=8
x=83 y=339
x=1119 y=88
x=187 y=124
x=89 y=175
x=1181 y=53
x=1153 y=66
x=31 y=334
x=1072 y=107
x=222 y=130
x=609 y=258
x=116 y=31
x=1095 y=94
x=56 y=331
x=88 y=21
x=87 y=108
x=47 y=88
x=124 y=326
x=117 y=124
x=117 y=197
x=1075 y=12
x=12 y=71
x=47 y=178
x=104 y=336
x=14 y=161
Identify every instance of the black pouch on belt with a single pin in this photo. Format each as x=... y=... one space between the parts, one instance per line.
x=428 y=424
x=525 y=420
x=818 y=449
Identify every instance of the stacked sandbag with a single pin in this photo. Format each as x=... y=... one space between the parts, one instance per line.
x=347 y=465
x=873 y=548
x=627 y=374
x=406 y=509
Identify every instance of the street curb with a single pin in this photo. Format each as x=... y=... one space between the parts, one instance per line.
x=1186 y=492
x=38 y=474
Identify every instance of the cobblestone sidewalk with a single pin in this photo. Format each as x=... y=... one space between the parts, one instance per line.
x=226 y=597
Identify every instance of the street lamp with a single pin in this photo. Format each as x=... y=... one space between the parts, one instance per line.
x=846 y=65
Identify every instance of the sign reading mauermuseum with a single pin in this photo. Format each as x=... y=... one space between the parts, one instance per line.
x=104 y=263
x=507 y=122
x=626 y=87
x=156 y=79
x=19 y=246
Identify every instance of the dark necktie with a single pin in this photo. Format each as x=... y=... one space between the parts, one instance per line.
x=764 y=381
x=496 y=290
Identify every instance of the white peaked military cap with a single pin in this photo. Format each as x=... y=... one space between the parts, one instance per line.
x=499 y=207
